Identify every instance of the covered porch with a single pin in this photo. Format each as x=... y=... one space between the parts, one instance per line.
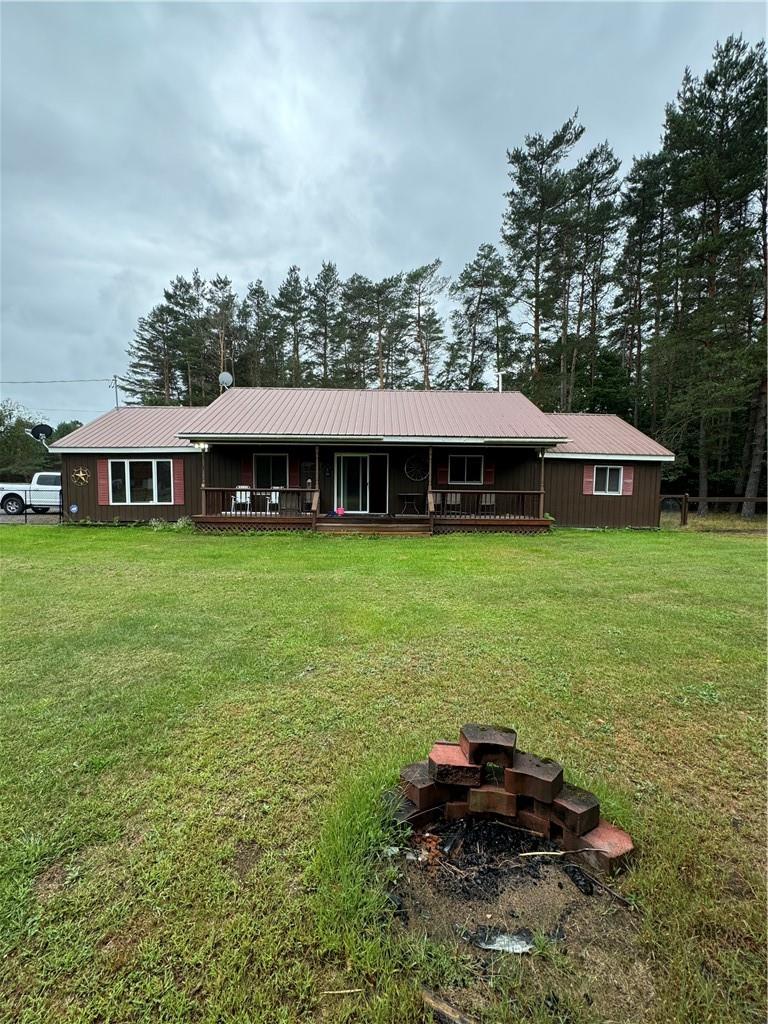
x=348 y=487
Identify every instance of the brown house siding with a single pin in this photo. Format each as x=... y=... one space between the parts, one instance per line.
x=514 y=468
x=566 y=502
x=87 y=497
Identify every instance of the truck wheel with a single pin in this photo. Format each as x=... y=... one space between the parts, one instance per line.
x=13 y=505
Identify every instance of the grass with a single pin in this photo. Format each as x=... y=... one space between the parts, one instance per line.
x=196 y=731
x=713 y=522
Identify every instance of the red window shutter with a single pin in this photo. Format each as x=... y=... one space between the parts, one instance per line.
x=489 y=473
x=294 y=472
x=102 y=481
x=178 y=481
x=589 y=480
x=246 y=472
x=628 y=480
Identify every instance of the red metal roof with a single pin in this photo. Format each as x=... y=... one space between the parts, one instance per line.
x=132 y=426
x=603 y=434
x=254 y=413
x=251 y=413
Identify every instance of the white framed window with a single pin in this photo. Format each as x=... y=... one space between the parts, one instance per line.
x=608 y=480
x=140 y=482
x=465 y=469
x=270 y=470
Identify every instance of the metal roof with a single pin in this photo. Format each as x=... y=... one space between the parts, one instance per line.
x=317 y=413
x=140 y=427
x=602 y=434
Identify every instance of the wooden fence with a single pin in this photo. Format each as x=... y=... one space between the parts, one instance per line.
x=686 y=500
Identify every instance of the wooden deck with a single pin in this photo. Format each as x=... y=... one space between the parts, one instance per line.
x=400 y=526
x=244 y=509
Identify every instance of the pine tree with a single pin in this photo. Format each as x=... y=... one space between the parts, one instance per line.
x=221 y=317
x=390 y=325
x=474 y=325
x=152 y=377
x=534 y=203
x=291 y=310
x=715 y=147
x=323 y=323
x=261 y=360
x=423 y=286
x=356 y=367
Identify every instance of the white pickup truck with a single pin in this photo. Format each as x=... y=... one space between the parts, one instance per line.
x=42 y=495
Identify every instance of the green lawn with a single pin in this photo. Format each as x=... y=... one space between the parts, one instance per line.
x=195 y=730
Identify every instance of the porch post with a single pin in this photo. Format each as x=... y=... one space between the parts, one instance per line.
x=317 y=467
x=202 y=476
x=429 y=473
x=541 y=487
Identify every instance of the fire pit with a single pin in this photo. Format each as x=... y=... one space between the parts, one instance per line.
x=505 y=860
x=484 y=775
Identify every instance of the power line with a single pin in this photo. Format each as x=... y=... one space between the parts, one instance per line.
x=82 y=380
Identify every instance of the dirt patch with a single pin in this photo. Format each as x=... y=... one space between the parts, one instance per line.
x=247 y=856
x=50 y=882
x=466 y=884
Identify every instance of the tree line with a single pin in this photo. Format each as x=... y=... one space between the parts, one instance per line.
x=643 y=295
x=20 y=454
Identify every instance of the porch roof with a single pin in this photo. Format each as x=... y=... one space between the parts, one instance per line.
x=468 y=417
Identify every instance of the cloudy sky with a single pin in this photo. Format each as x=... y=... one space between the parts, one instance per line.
x=142 y=140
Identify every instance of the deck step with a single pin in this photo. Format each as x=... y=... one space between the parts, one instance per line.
x=379 y=527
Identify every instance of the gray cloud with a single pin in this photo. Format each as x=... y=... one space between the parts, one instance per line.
x=140 y=141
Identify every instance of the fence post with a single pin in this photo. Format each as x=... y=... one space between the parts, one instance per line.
x=684 y=511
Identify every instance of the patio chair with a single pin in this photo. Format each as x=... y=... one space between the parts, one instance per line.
x=453 y=503
x=488 y=504
x=241 y=501
x=273 y=503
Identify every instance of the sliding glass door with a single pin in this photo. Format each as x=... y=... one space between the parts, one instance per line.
x=352 y=483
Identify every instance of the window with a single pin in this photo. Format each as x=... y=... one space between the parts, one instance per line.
x=270 y=471
x=608 y=480
x=49 y=480
x=140 y=482
x=465 y=469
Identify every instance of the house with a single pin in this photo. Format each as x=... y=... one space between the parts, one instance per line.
x=328 y=459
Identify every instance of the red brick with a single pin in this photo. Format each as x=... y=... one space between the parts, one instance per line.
x=576 y=810
x=537 y=777
x=449 y=765
x=605 y=848
x=534 y=823
x=483 y=744
x=456 y=809
x=407 y=813
x=490 y=799
x=419 y=788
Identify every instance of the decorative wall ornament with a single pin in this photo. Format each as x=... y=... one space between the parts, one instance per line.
x=416 y=468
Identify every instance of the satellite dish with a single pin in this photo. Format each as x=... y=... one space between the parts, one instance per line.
x=41 y=432
x=226 y=379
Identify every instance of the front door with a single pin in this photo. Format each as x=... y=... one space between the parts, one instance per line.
x=352 y=483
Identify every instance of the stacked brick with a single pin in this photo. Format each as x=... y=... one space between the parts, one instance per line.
x=485 y=775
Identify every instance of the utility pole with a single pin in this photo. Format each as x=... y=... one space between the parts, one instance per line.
x=117 y=393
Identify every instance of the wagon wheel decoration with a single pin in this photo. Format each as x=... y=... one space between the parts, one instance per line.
x=81 y=476
x=416 y=468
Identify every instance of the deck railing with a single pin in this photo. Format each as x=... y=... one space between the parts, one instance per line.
x=459 y=503
x=244 y=501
